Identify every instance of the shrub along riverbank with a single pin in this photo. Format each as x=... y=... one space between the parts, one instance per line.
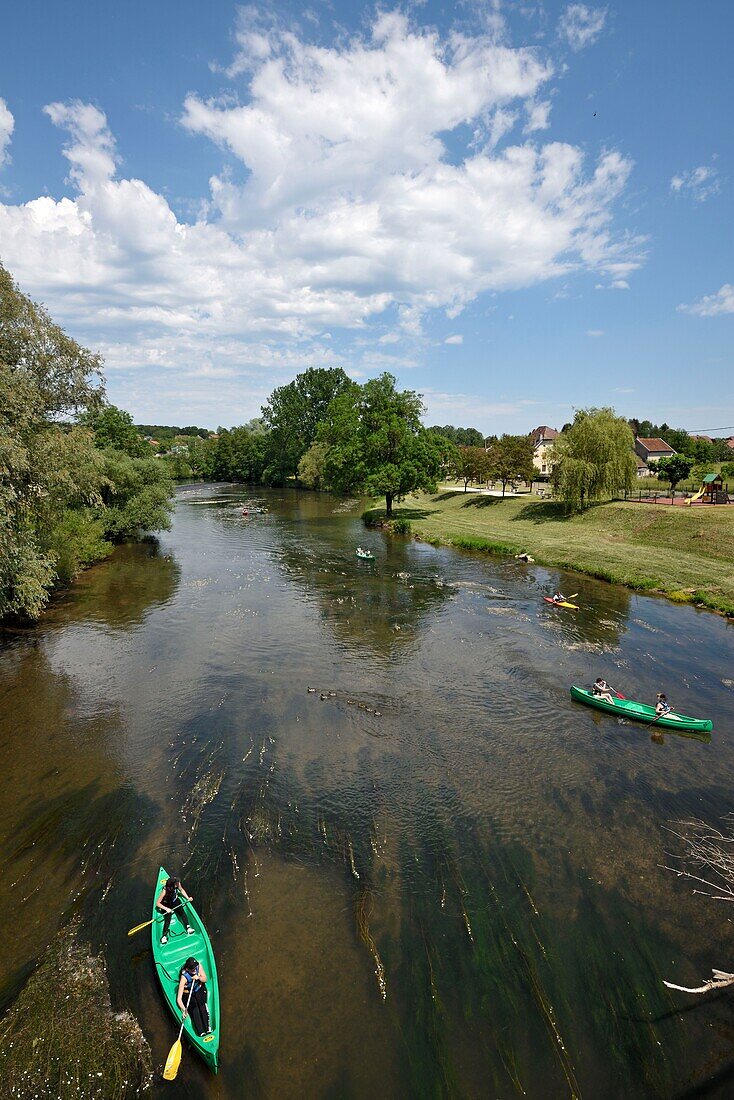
x=685 y=553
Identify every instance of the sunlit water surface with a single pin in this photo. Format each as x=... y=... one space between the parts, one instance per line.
x=434 y=875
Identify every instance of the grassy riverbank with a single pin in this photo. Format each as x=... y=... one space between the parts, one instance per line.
x=685 y=553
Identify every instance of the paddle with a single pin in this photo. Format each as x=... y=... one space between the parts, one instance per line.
x=145 y=924
x=173 y=1061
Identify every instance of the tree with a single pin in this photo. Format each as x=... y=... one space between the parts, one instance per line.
x=727 y=470
x=470 y=464
x=312 y=467
x=136 y=497
x=46 y=467
x=61 y=495
x=293 y=414
x=377 y=443
x=698 y=472
x=675 y=468
x=113 y=427
x=510 y=458
x=594 y=459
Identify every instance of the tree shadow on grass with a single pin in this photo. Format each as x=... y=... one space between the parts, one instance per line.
x=553 y=511
x=547 y=511
x=400 y=513
x=484 y=502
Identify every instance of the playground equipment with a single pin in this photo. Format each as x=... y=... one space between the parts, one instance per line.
x=711 y=492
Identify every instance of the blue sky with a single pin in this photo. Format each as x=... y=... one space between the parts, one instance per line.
x=517 y=208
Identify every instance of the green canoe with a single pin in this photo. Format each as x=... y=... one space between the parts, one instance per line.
x=169 y=959
x=640 y=712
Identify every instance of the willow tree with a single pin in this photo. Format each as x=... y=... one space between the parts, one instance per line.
x=593 y=459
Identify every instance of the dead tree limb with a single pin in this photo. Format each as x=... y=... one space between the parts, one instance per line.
x=711 y=851
x=720 y=980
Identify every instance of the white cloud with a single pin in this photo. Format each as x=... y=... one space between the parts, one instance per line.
x=457 y=339
x=7 y=125
x=713 y=304
x=581 y=25
x=595 y=332
x=351 y=209
x=698 y=183
x=472 y=410
x=538 y=116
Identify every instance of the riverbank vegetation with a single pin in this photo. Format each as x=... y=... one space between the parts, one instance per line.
x=686 y=554
x=75 y=475
x=61 y=1037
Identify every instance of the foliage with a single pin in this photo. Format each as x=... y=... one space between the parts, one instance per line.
x=470 y=464
x=461 y=437
x=113 y=427
x=55 y=481
x=727 y=470
x=401 y=526
x=377 y=444
x=169 y=432
x=698 y=473
x=594 y=459
x=45 y=466
x=136 y=496
x=75 y=541
x=312 y=466
x=510 y=458
x=675 y=468
x=293 y=414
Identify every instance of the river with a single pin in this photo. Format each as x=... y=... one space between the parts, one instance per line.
x=435 y=875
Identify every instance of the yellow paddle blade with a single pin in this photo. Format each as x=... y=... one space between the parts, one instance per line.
x=139 y=926
x=173 y=1062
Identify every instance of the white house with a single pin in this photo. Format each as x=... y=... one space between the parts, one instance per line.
x=542 y=438
x=652 y=449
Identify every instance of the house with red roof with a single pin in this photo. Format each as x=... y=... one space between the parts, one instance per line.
x=652 y=450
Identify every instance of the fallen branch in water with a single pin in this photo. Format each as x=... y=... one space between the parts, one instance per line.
x=720 y=980
x=710 y=850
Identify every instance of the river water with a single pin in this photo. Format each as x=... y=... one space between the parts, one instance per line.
x=433 y=876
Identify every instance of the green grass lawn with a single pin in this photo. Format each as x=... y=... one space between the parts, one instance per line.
x=685 y=553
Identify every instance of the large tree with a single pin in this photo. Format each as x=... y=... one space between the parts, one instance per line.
x=469 y=464
x=510 y=458
x=46 y=467
x=113 y=427
x=674 y=468
x=293 y=414
x=594 y=459
x=377 y=443
x=64 y=493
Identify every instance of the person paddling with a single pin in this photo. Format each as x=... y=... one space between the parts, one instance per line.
x=558 y=597
x=169 y=901
x=602 y=690
x=662 y=707
x=193 y=974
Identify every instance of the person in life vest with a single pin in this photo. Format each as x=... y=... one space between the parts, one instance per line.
x=170 y=902
x=662 y=706
x=193 y=974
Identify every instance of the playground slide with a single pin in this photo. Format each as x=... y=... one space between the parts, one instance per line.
x=698 y=495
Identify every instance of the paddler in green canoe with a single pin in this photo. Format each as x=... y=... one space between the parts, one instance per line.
x=192 y=992
x=662 y=706
x=602 y=690
x=169 y=902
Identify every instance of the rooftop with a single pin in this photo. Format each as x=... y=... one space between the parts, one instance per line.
x=655 y=444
